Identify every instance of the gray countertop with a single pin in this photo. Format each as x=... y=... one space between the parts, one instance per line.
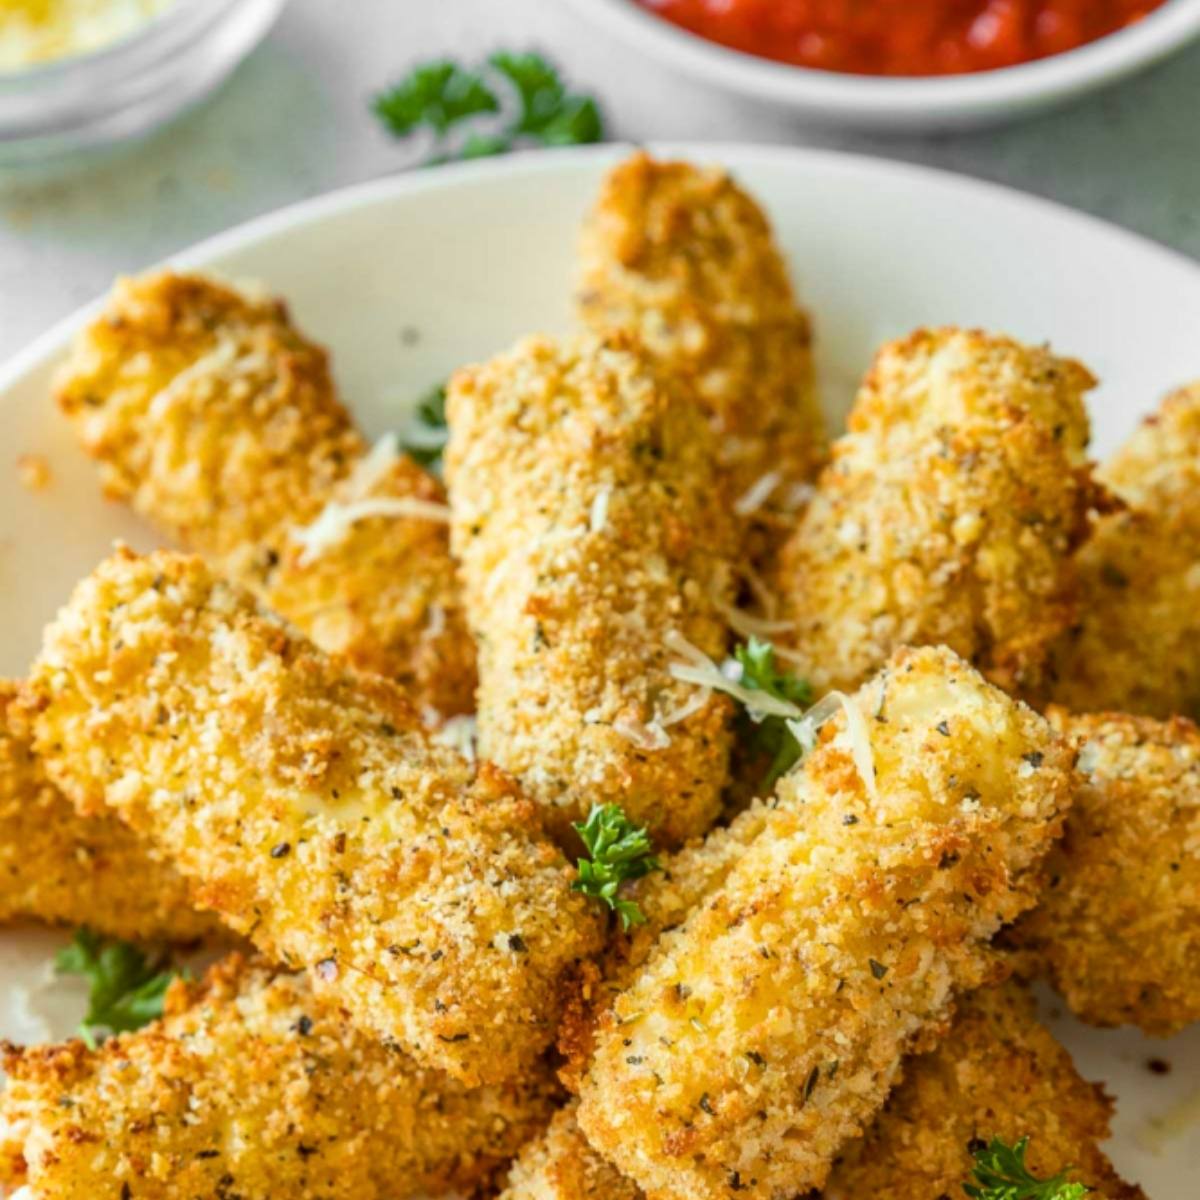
x=293 y=122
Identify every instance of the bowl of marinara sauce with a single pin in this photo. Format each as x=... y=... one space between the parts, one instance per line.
x=907 y=64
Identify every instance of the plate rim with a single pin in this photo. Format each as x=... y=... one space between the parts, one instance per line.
x=53 y=341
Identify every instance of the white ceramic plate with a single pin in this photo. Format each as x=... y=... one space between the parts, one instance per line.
x=409 y=277
x=946 y=102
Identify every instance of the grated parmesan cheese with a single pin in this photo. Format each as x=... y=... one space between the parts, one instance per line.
x=757 y=494
x=598 y=517
x=650 y=736
x=748 y=625
x=805 y=732
x=335 y=521
x=459 y=733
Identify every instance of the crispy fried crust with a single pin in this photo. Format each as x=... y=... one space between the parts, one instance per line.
x=848 y=924
x=218 y=421
x=684 y=258
x=948 y=514
x=1136 y=645
x=1118 y=929
x=58 y=867
x=254 y=1087
x=581 y=484
x=311 y=810
x=998 y=1072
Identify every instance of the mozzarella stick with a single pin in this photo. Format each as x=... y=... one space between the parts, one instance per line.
x=309 y=807
x=253 y=1087
x=218 y=421
x=581 y=486
x=1118 y=929
x=997 y=1073
x=64 y=869
x=685 y=259
x=1136 y=645
x=908 y=837
x=948 y=514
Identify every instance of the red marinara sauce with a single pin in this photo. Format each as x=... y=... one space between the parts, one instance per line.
x=902 y=37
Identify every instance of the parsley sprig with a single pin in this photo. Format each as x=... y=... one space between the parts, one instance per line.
x=1000 y=1173
x=428 y=432
x=127 y=986
x=618 y=850
x=770 y=739
x=445 y=98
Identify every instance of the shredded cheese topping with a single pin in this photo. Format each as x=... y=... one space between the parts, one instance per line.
x=598 y=518
x=335 y=521
x=700 y=670
x=459 y=733
x=757 y=494
x=649 y=736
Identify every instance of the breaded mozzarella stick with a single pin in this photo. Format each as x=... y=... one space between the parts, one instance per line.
x=685 y=259
x=997 y=1073
x=1136 y=645
x=948 y=514
x=253 y=1087
x=218 y=421
x=64 y=869
x=310 y=809
x=1118 y=928
x=769 y=1027
x=581 y=483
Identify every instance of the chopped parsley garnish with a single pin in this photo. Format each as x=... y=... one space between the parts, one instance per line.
x=1000 y=1173
x=618 y=850
x=438 y=94
x=446 y=98
x=426 y=436
x=127 y=986
x=770 y=738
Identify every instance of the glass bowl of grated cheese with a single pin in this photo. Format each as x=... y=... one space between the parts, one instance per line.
x=78 y=75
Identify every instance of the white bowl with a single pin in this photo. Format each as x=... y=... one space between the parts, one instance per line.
x=52 y=114
x=408 y=277
x=937 y=103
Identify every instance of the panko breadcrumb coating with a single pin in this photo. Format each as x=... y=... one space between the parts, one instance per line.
x=769 y=1027
x=998 y=1072
x=309 y=807
x=1136 y=645
x=685 y=259
x=64 y=869
x=948 y=514
x=253 y=1087
x=1118 y=927
x=218 y=421
x=581 y=483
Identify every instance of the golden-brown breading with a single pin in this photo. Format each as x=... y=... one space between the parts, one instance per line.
x=1118 y=928
x=948 y=513
x=997 y=1073
x=685 y=259
x=310 y=809
x=581 y=483
x=1136 y=645
x=769 y=1027
x=218 y=421
x=254 y=1087
x=61 y=868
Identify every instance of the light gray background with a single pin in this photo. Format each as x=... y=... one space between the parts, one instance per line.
x=293 y=122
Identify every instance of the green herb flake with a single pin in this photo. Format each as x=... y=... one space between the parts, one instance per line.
x=442 y=95
x=127 y=986
x=425 y=439
x=770 y=739
x=436 y=94
x=1000 y=1173
x=617 y=850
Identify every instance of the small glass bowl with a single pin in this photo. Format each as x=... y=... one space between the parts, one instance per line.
x=54 y=111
